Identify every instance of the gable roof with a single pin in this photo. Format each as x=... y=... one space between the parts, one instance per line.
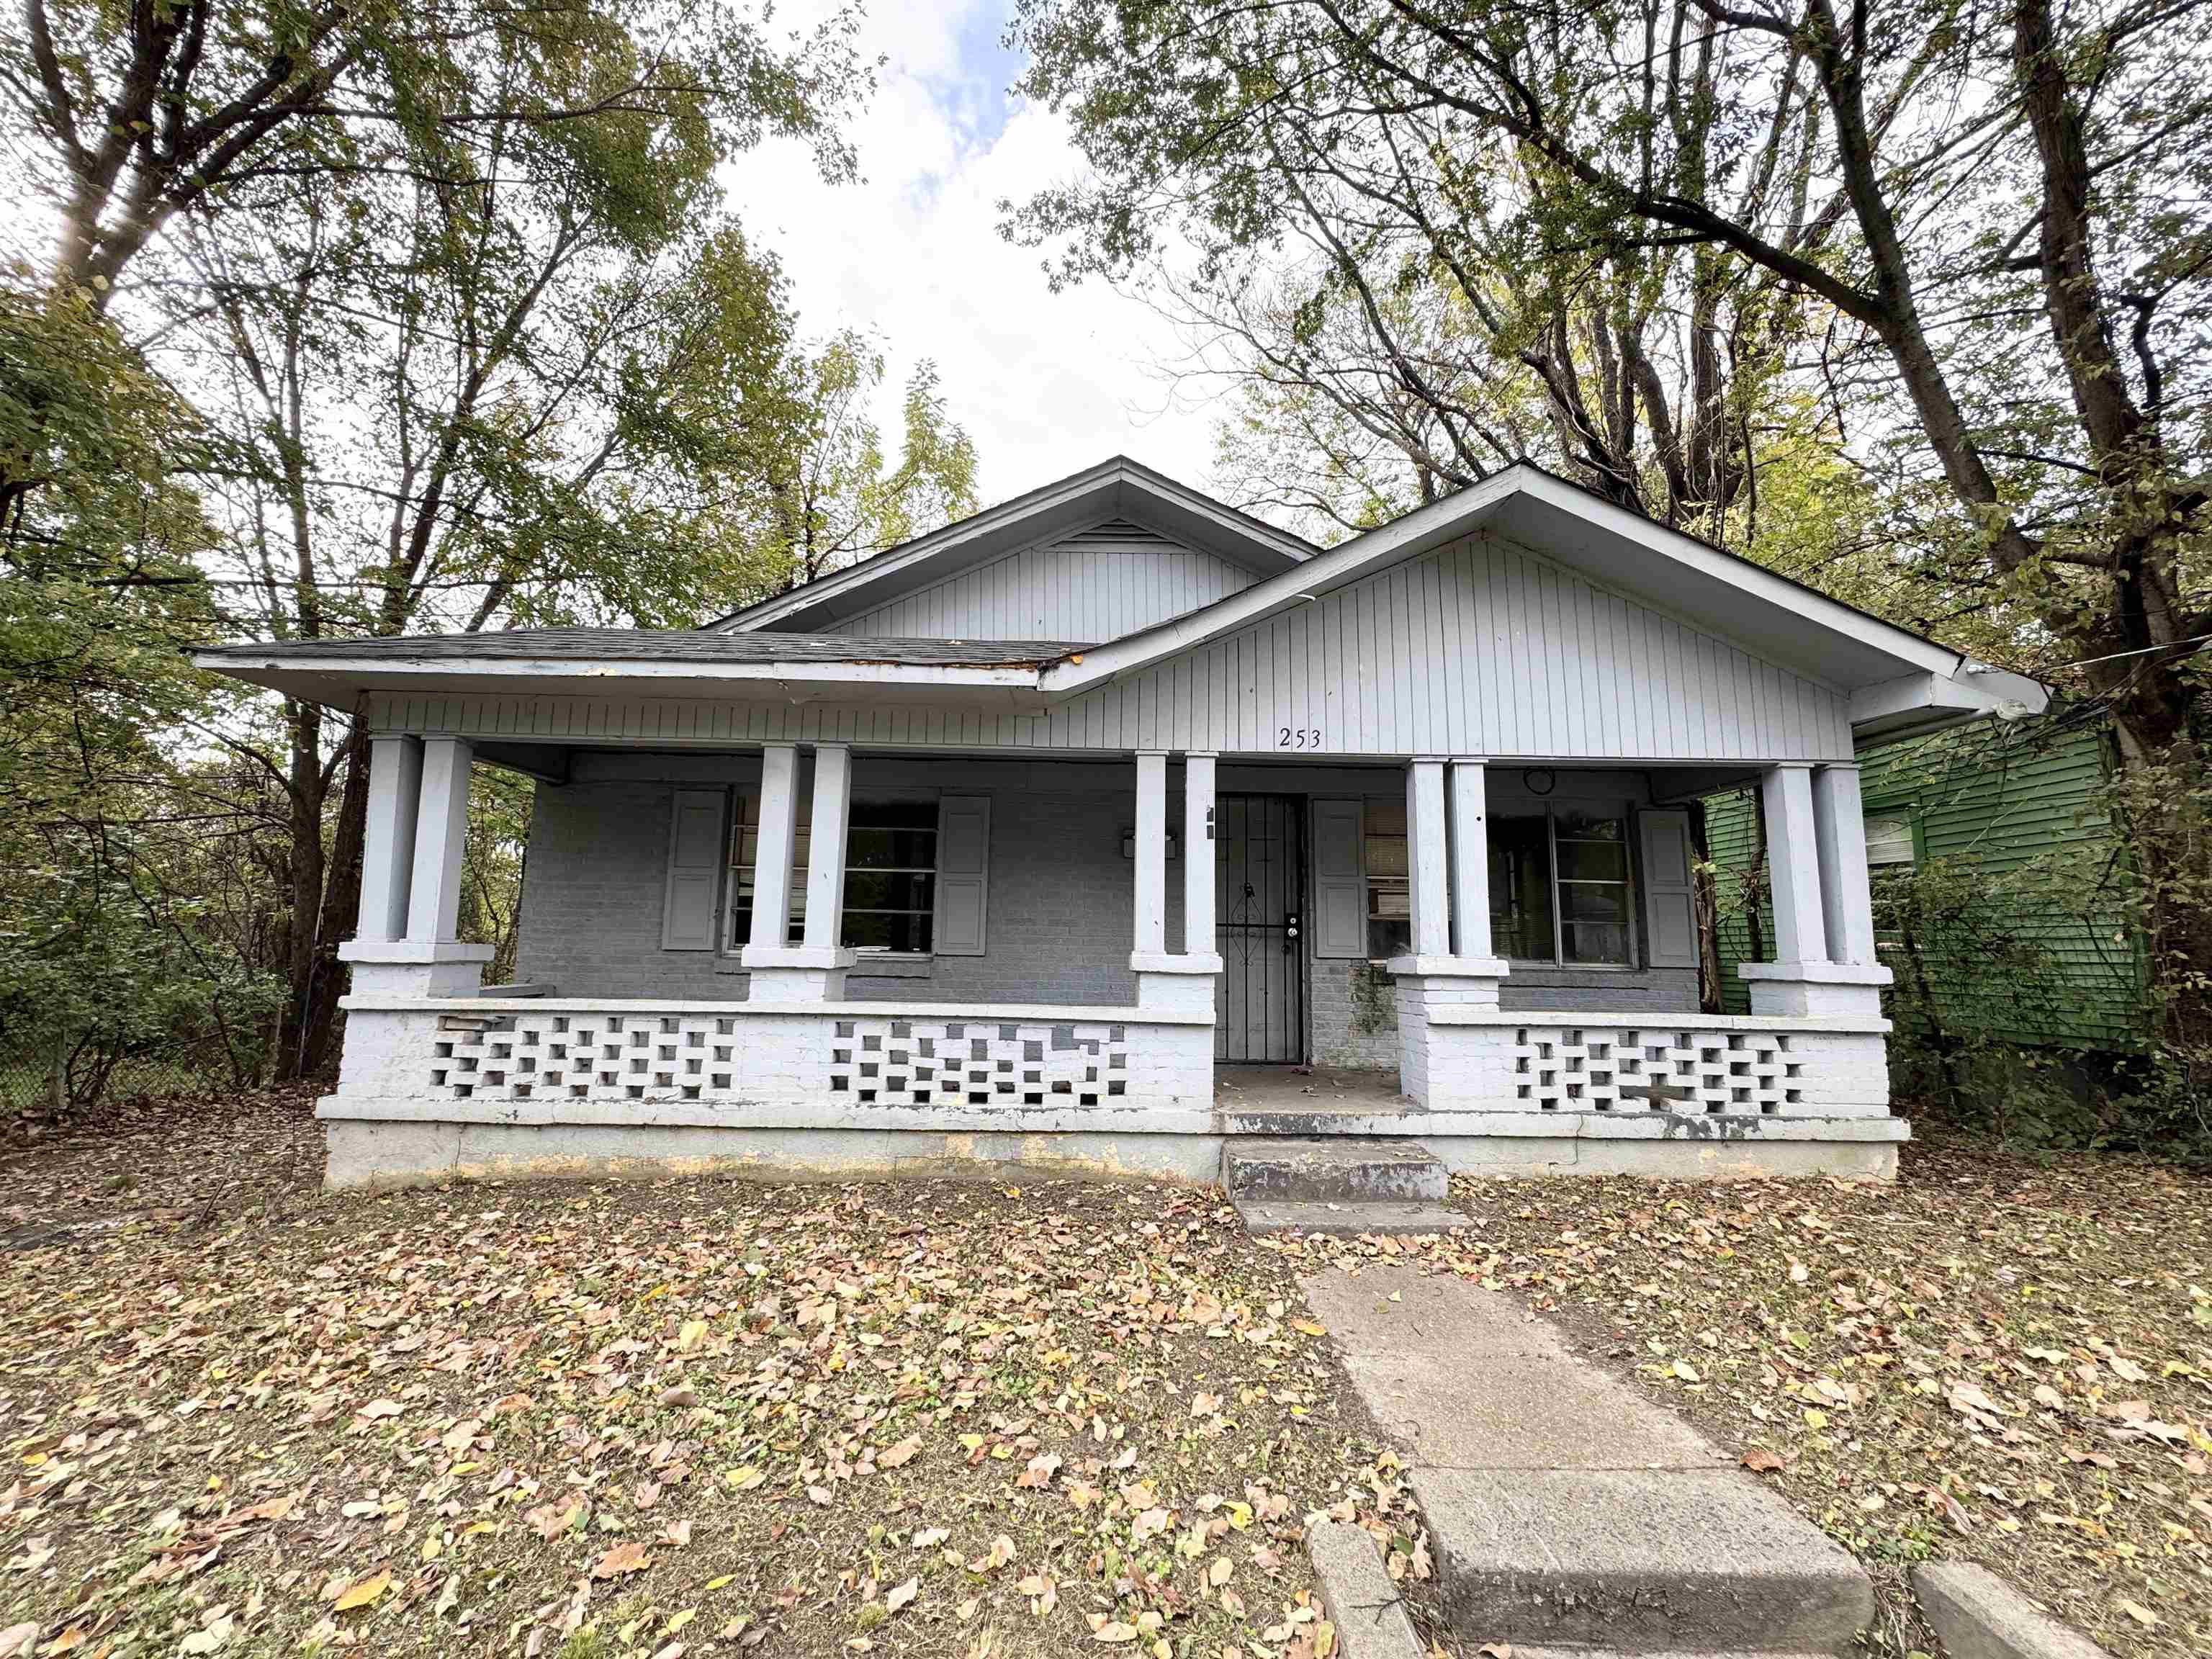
x=1893 y=677
x=1117 y=491
x=1893 y=680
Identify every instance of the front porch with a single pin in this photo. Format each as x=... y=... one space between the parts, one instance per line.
x=827 y=1058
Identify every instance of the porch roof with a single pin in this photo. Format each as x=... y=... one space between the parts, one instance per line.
x=555 y=659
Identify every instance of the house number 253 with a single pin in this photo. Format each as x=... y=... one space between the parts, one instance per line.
x=1298 y=737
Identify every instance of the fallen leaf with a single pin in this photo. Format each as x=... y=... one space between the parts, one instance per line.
x=628 y=1556
x=363 y=1592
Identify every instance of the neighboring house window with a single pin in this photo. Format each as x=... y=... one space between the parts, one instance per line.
x=1389 y=884
x=1559 y=887
x=891 y=876
x=1889 y=842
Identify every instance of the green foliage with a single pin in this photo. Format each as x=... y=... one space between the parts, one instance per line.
x=833 y=497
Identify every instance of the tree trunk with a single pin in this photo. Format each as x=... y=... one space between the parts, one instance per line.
x=305 y=871
x=339 y=915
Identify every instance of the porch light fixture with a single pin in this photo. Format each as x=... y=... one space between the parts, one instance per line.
x=1129 y=846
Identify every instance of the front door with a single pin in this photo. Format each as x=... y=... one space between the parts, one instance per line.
x=1259 y=909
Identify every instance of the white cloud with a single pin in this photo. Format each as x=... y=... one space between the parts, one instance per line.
x=1046 y=383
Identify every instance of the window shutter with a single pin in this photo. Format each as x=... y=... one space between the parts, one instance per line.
x=695 y=871
x=1339 y=918
x=963 y=873
x=1670 y=910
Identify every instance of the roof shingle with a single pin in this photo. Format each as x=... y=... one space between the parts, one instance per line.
x=701 y=645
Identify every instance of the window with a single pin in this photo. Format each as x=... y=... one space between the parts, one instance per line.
x=891 y=876
x=1389 y=884
x=1559 y=887
x=1579 y=919
x=1889 y=842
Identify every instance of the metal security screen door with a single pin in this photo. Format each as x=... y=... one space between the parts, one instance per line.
x=1259 y=911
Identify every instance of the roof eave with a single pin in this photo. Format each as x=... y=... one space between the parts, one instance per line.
x=338 y=681
x=1123 y=488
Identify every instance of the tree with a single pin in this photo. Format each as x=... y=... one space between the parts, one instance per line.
x=829 y=499
x=2010 y=282
x=497 y=400
x=126 y=119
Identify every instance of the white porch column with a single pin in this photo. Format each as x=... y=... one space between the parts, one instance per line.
x=1445 y=1065
x=1182 y=982
x=825 y=850
x=1198 y=855
x=813 y=971
x=1427 y=842
x=411 y=873
x=441 y=828
x=1151 y=872
x=1793 y=864
x=1808 y=863
x=1470 y=859
x=388 y=853
x=772 y=848
x=1846 y=895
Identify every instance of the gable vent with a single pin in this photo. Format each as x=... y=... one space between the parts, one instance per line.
x=1119 y=536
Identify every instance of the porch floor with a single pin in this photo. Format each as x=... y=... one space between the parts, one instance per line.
x=1289 y=1089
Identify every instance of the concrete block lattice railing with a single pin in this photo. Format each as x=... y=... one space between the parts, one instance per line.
x=434 y=1085
x=500 y=1084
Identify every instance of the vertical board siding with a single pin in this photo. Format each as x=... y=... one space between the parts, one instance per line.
x=1098 y=583
x=1544 y=666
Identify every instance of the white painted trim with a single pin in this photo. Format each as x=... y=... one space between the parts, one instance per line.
x=980 y=1013
x=1266 y=548
x=1626 y=1018
x=407 y=952
x=1816 y=973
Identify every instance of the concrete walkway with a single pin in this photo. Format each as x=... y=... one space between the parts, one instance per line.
x=1564 y=1508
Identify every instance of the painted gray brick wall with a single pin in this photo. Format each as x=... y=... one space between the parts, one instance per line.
x=1058 y=928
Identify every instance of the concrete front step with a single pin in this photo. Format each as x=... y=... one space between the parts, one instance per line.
x=1337 y=1170
x=1566 y=1509
x=1637 y=1560
x=1349 y=1220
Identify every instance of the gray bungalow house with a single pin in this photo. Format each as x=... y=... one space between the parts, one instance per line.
x=1043 y=837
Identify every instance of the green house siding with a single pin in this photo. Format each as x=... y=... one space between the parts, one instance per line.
x=2015 y=811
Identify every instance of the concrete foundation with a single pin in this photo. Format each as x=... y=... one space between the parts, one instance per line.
x=375 y=1144
x=368 y=1154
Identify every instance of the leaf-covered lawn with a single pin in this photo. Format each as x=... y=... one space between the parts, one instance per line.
x=693 y=1416
x=2000 y=1358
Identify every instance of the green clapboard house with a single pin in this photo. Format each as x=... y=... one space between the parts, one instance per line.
x=1996 y=875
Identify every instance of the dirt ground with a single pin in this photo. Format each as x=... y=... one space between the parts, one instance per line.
x=680 y=1417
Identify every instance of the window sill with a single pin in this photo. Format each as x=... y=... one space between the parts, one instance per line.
x=868 y=966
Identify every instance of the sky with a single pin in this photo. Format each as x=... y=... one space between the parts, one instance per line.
x=1047 y=384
